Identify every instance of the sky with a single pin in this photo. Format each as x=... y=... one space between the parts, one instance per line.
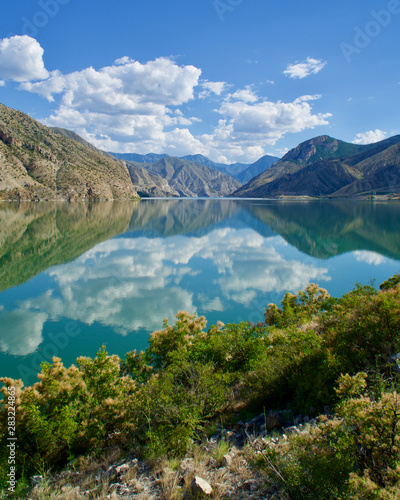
x=230 y=79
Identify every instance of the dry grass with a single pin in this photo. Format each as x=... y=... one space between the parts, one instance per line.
x=161 y=479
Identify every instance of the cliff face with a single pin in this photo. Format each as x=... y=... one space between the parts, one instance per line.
x=192 y=179
x=37 y=163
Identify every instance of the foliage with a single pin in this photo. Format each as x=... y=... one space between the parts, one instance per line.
x=353 y=455
x=311 y=352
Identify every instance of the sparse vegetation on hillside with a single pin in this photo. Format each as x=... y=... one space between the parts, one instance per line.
x=311 y=353
x=37 y=163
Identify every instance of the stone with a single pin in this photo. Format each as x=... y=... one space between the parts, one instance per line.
x=230 y=435
x=251 y=484
x=121 y=469
x=35 y=480
x=226 y=461
x=198 y=489
x=273 y=420
x=292 y=430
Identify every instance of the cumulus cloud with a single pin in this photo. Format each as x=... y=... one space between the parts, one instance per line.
x=128 y=106
x=136 y=283
x=137 y=107
x=21 y=59
x=305 y=68
x=2 y=83
x=21 y=331
x=371 y=258
x=246 y=95
x=247 y=127
x=216 y=88
x=369 y=137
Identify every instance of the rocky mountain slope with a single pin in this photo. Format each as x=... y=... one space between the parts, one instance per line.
x=324 y=166
x=192 y=179
x=256 y=168
x=37 y=163
x=234 y=169
x=148 y=184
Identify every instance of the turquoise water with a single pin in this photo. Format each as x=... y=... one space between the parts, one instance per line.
x=74 y=277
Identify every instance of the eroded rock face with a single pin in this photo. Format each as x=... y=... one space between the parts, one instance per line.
x=9 y=139
x=37 y=163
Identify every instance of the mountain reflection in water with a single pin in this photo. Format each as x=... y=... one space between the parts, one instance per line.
x=116 y=270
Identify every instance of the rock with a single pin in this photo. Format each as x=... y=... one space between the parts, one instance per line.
x=230 y=435
x=251 y=484
x=292 y=430
x=226 y=461
x=273 y=420
x=35 y=480
x=115 y=487
x=121 y=469
x=198 y=489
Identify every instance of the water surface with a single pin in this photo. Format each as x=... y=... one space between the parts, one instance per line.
x=76 y=276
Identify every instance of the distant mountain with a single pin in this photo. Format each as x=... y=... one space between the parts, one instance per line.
x=37 y=163
x=203 y=160
x=147 y=184
x=138 y=158
x=233 y=169
x=228 y=169
x=192 y=179
x=324 y=166
x=256 y=168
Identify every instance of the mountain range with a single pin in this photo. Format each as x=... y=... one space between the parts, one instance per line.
x=241 y=172
x=41 y=163
x=324 y=166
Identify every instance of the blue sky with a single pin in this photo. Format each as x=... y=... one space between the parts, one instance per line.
x=231 y=79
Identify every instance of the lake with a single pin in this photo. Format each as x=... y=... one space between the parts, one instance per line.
x=76 y=276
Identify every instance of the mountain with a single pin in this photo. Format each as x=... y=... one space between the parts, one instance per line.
x=326 y=228
x=73 y=135
x=138 y=158
x=192 y=179
x=37 y=163
x=233 y=170
x=147 y=184
x=256 y=168
x=36 y=236
x=324 y=166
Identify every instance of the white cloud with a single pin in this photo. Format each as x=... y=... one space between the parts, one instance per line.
x=216 y=88
x=245 y=95
x=127 y=107
x=136 y=283
x=247 y=127
x=305 y=68
x=369 y=137
x=2 y=83
x=141 y=107
x=21 y=59
x=371 y=258
x=21 y=331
